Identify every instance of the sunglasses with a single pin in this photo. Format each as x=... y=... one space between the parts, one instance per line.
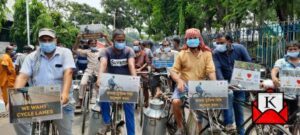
x=219 y=43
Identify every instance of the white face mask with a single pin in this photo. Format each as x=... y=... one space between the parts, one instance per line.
x=167 y=49
x=221 y=47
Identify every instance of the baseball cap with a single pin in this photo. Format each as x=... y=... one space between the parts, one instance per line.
x=47 y=32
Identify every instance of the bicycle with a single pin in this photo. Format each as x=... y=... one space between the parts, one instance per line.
x=44 y=128
x=171 y=121
x=141 y=101
x=76 y=85
x=116 y=123
x=87 y=100
x=295 y=127
x=216 y=125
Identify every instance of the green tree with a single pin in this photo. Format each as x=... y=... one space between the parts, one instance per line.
x=80 y=13
x=3 y=10
x=40 y=17
x=18 y=29
x=118 y=13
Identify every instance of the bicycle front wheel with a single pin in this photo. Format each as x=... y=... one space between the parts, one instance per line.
x=85 y=111
x=255 y=129
x=296 y=129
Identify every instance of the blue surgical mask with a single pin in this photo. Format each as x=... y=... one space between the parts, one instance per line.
x=136 y=48
x=47 y=47
x=221 y=47
x=120 y=46
x=167 y=49
x=193 y=43
x=94 y=48
x=292 y=54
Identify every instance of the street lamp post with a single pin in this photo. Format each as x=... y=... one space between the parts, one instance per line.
x=27 y=20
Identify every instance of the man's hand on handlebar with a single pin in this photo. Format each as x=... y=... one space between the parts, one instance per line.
x=180 y=85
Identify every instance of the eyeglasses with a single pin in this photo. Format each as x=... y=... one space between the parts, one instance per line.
x=219 y=43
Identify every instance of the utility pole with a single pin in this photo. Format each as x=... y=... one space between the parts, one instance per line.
x=27 y=20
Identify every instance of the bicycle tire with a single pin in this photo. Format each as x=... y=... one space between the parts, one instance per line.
x=296 y=129
x=113 y=129
x=269 y=130
x=44 y=128
x=91 y=92
x=141 y=107
x=54 y=130
x=85 y=111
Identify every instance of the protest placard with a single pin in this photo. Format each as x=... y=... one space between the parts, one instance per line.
x=163 y=59
x=91 y=35
x=247 y=75
x=32 y=104
x=119 y=88
x=290 y=82
x=208 y=94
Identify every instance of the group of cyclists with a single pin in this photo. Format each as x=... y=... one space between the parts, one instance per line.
x=50 y=64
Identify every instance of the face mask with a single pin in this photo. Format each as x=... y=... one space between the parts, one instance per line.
x=136 y=48
x=221 y=48
x=94 y=48
x=293 y=54
x=47 y=47
x=167 y=49
x=120 y=46
x=193 y=43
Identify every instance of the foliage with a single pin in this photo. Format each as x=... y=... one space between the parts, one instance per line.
x=40 y=17
x=3 y=10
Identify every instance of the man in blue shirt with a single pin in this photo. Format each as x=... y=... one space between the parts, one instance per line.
x=82 y=61
x=49 y=65
x=117 y=59
x=225 y=54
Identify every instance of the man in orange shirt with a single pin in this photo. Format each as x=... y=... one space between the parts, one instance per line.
x=7 y=72
x=194 y=62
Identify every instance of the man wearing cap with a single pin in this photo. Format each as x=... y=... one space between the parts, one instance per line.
x=194 y=62
x=7 y=72
x=92 y=55
x=49 y=65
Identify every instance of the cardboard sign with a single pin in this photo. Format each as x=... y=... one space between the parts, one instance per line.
x=163 y=59
x=119 y=88
x=208 y=94
x=290 y=82
x=91 y=35
x=246 y=74
x=32 y=104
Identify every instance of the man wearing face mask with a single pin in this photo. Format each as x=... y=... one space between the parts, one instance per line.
x=82 y=61
x=7 y=72
x=291 y=61
x=117 y=59
x=163 y=53
x=146 y=47
x=92 y=55
x=193 y=62
x=225 y=54
x=49 y=65
x=141 y=63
